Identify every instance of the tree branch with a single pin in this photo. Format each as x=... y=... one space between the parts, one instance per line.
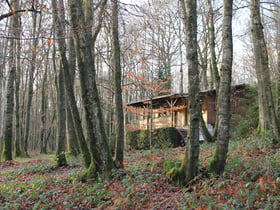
x=17 y=11
x=100 y=19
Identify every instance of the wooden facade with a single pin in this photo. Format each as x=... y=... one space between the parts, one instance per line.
x=172 y=110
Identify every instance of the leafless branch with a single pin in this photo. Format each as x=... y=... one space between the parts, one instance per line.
x=17 y=11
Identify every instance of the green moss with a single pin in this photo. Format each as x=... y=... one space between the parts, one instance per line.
x=143 y=141
x=175 y=176
x=161 y=138
x=61 y=160
x=86 y=157
x=178 y=163
x=214 y=164
x=90 y=173
x=131 y=139
x=168 y=165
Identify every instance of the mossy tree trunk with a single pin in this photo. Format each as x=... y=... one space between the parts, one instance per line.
x=267 y=115
x=189 y=167
x=17 y=137
x=9 y=108
x=218 y=162
x=72 y=138
x=205 y=132
x=8 y=124
x=119 y=153
x=8 y=128
x=101 y=159
x=69 y=86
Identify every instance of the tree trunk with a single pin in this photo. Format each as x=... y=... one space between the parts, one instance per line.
x=30 y=85
x=9 y=112
x=43 y=145
x=117 y=86
x=267 y=116
x=72 y=138
x=189 y=167
x=8 y=129
x=212 y=38
x=101 y=159
x=215 y=81
x=17 y=89
x=69 y=85
x=218 y=162
x=61 y=121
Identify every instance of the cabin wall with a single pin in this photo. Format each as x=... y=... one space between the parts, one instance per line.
x=211 y=109
x=177 y=116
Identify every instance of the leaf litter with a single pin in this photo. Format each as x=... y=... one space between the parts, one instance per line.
x=251 y=181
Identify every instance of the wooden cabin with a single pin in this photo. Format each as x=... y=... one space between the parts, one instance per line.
x=172 y=110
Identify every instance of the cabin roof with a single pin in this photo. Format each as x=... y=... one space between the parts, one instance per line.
x=179 y=96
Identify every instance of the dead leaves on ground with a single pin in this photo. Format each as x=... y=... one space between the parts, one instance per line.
x=251 y=181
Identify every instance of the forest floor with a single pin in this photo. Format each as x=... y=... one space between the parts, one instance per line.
x=251 y=181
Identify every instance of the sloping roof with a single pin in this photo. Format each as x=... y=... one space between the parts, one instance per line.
x=160 y=99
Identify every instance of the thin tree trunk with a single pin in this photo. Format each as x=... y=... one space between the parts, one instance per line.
x=218 y=162
x=30 y=84
x=215 y=81
x=61 y=121
x=43 y=148
x=117 y=86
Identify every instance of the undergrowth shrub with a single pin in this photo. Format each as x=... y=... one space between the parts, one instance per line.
x=131 y=138
x=143 y=140
x=245 y=124
x=161 y=138
x=112 y=143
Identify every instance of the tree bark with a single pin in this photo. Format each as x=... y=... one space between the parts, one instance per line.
x=101 y=159
x=61 y=121
x=189 y=167
x=43 y=143
x=267 y=116
x=60 y=31
x=9 y=112
x=215 y=81
x=30 y=85
x=72 y=138
x=17 y=87
x=218 y=162
x=119 y=153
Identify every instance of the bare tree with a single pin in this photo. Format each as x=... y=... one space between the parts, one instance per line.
x=218 y=162
x=101 y=160
x=17 y=135
x=36 y=23
x=117 y=85
x=59 y=16
x=189 y=167
x=9 y=112
x=267 y=116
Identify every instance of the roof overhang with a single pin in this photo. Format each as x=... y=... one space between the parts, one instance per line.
x=159 y=100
